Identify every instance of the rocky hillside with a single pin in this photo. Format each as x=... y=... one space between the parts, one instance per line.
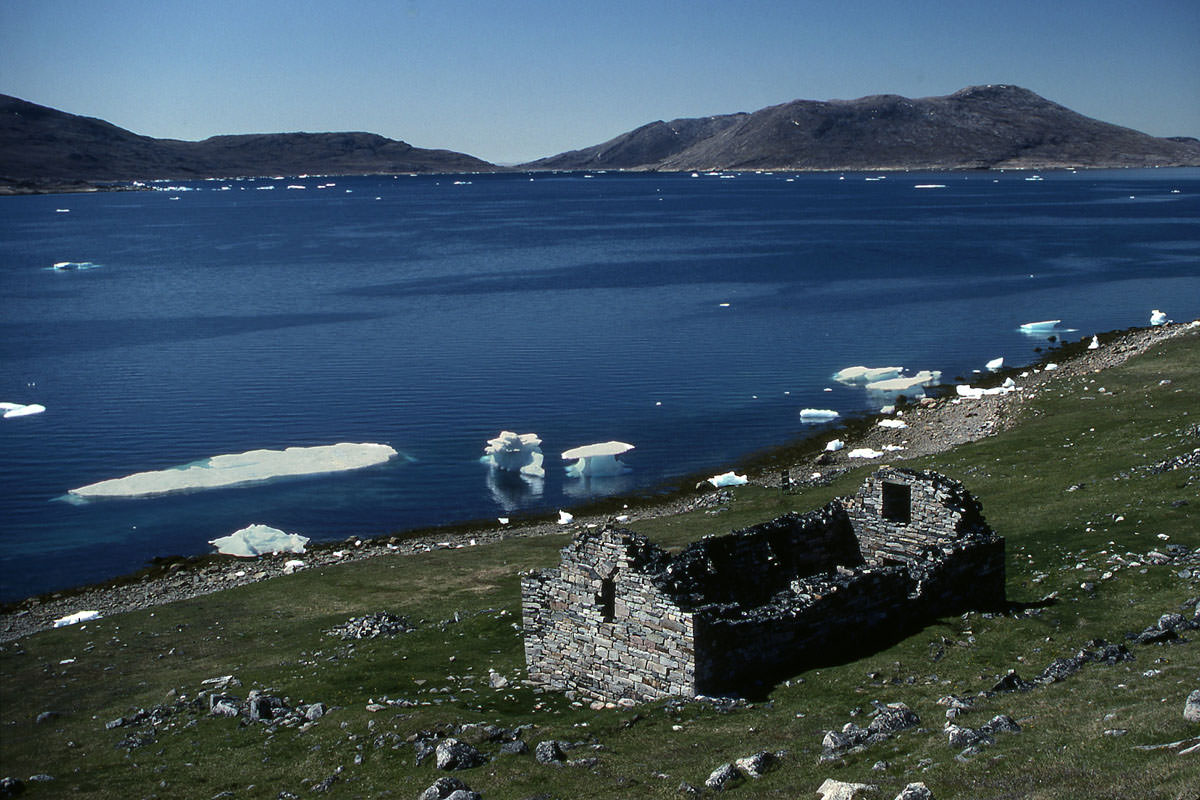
x=39 y=145
x=978 y=127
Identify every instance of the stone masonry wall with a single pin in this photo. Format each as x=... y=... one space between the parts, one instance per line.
x=640 y=645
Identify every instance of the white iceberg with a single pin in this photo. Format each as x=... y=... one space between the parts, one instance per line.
x=728 y=479
x=995 y=364
x=253 y=466
x=516 y=452
x=817 y=415
x=852 y=375
x=1040 y=327
x=1157 y=318
x=257 y=540
x=1095 y=345
x=19 y=410
x=1050 y=367
x=597 y=459
x=565 y=518
x=864 y=452
x=834 y=445
x=905 y=383
x=294 y=564
x=892 y=423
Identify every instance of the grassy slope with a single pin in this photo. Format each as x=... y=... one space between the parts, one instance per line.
x=270 y=635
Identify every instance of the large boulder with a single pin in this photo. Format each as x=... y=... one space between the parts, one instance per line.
x=915 y=791
x=454 y=754
x=1191 y=708
x=550 y=752
x=840 y=790
x=724 y=777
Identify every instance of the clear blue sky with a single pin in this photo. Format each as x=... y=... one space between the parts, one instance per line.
x=516 y=80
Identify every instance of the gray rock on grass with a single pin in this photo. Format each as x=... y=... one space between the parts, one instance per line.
x=915 y=791
x=841 y=790
x=1191 y=707
x=454 y=754
x=724 y=777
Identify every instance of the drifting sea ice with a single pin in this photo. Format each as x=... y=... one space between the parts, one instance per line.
x=995 y=364
x=728 y=479
x=1040 y=327
x=853 y=375
x=1157 y=318
x=253 y=466
x=19 y=410
x=817 y=415
x=257 y=540
x=905 y=383
x=516 y=452
x=597 y=459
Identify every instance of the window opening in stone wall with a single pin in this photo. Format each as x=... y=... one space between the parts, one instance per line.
x=608 y=598
x=897 y=502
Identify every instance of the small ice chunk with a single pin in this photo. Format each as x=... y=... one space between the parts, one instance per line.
x=817 y=415
x=973 y=393
x=18 y=410
x=516 y=452
x=256 y=540
x=76 y=618
x=864 y=452
x=1050 y=367
x=834 y=445
x=1095 y=345
x=728 y=479
x=502 y=520
x=852 y=375
x=597 y=459
x=1158 y=318
x=565 y=518
x=1040 y=327
x=1009 y=383
x=995 y=364
x=930 y=186
x=892 y=423
x=237 y=469
x=292 y=565
x=622 y=518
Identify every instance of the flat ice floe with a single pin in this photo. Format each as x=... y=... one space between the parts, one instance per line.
x=853 y=375
x=817 y=415
x=236 y=469
x=1038 y=327
x=21 y=410
x=597 y=459
x=257 y=540
x=905 y=383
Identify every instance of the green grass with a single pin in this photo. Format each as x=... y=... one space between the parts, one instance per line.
x=271 y=635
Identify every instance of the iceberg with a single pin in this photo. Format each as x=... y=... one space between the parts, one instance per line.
x=728 y=479
x=565 y=518
x=853 y=375
x=1095 y=345
x=1040 y=327
x=257 y=540
x=817 y=415
x=1157 y=318
x=237 y=469
x=995 y=364
x=516 y=452
x=20 y=410
x=834 y=445
x=76 y=618
x=905 y=383
x=597 y=459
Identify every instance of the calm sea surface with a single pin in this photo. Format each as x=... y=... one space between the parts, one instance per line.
x=429 y=315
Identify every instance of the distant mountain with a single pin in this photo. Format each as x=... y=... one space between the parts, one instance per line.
x=977 y=127
x=41 y=146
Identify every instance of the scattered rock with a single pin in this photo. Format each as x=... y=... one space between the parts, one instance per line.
x=454 y=754
x=448 y=788
x=757 y=765
x=1001 y=722
x=1191 y=708
x=1012 y=682
x=516 y=747
x=550 y=751
x=371 y=626
x=839 y=790
x=47 y=716
x=915 y=791
x=894 y=717
x=724 y=777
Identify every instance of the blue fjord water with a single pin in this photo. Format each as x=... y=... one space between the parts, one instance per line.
x=429 y=313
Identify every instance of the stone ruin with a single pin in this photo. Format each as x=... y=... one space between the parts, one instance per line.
x=622 y=618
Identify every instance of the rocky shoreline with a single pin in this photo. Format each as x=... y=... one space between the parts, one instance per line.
x=932 y=426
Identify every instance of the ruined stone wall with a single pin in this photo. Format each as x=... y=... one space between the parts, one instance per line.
x=939 y=510
x=830 y=616
x=629 y=640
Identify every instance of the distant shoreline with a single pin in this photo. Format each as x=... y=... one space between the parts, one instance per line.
x=936 y=426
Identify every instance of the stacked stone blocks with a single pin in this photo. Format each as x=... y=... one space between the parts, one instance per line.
x=620 y=618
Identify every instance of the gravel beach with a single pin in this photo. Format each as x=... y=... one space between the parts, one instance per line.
x=932 y=426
